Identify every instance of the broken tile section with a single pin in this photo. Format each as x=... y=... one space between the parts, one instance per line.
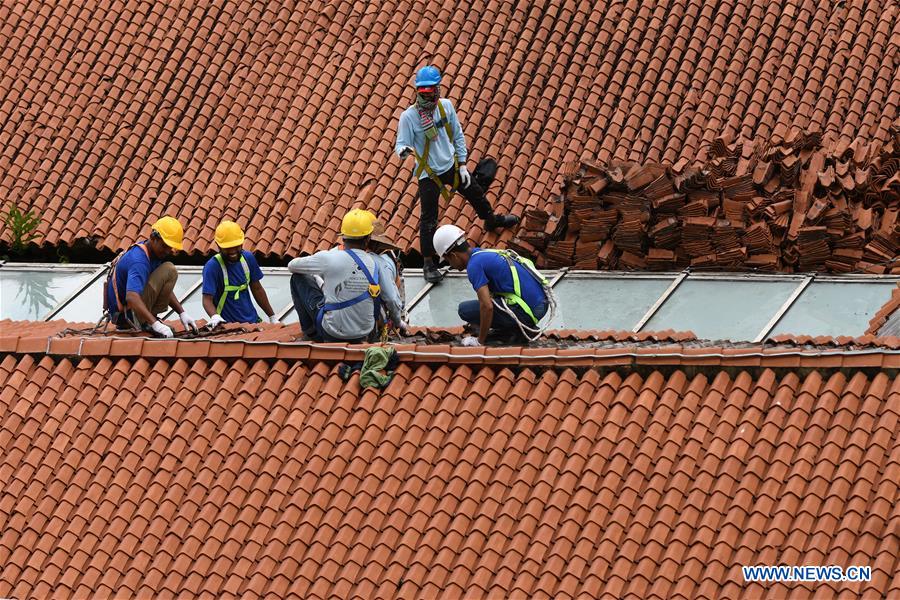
x=785 y=209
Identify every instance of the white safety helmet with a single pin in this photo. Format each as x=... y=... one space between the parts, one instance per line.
x=446 y=237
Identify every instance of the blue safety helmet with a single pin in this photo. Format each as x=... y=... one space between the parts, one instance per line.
x=428 y=76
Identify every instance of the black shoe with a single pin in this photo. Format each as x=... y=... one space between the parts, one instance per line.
x=501 y=222
x=432 y=274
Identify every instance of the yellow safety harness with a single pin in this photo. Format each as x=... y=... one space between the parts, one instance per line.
x=515 y=297
x=423 y=160
x=237 y=289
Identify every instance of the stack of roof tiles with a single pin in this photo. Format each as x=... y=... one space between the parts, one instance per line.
x=275 y=114
x=791 y=207
x=181 y=468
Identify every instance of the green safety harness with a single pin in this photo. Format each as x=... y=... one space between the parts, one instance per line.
x=423 y=160
x=515 y=297
x=237 y=289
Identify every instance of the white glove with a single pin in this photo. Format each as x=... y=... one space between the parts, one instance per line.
x=464 y=178
x=470 y=341
x=215 y=321
x=188 y=322
x=405 y=151
x=273 y=319
x=162 y=329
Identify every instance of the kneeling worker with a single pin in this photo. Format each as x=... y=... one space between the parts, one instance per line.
x=512 y=296
x=356 y=283
x=141 y=282
x=229 y=273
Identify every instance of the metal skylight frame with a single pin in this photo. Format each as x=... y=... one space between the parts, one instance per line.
x=804 y=280
x=100 y=272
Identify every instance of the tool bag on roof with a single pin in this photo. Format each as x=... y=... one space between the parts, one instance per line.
x=485 y=172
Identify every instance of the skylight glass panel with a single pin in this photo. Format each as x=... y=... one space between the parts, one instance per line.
x=87 y=306
x=835 y=308
x=722 y=308
x=31 y=294
x=438 y=307
x=605 y=303
x=278 y=289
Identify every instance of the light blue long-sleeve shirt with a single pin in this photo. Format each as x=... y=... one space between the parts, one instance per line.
x=440 y=155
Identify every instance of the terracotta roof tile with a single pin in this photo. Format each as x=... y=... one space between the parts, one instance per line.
x=248 y=106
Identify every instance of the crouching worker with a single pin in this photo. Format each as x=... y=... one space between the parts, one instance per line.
x=141 y=282
x=226 y=278
x=356 y=283
x=512 y=296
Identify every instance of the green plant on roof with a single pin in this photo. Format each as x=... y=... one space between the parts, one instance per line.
x=22 y=227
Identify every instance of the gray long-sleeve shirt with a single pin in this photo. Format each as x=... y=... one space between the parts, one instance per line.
x=344 y=280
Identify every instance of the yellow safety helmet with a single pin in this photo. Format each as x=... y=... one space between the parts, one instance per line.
x=229 y=234
x=169 y=229
x=357 y=223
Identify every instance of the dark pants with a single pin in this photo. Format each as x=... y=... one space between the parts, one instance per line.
x=307 y=299
x=430 y=194
x=470 y=312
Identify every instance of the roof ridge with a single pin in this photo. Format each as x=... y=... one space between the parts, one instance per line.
x=670 y=354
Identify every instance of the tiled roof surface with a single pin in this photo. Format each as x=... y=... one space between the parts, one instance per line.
x=793 y=207
x=276 y=114
x=147 y=477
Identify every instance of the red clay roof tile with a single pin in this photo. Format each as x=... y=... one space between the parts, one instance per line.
x=216 y=119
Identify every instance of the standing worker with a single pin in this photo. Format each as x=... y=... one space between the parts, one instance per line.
x=355 y=284
x=141 y=282
x=430 y=130
x=226 y=278
x=513 y=296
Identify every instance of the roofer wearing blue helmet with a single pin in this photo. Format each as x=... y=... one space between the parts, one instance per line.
x=430 y=131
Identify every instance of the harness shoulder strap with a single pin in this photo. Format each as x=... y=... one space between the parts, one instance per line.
x=226 y=287
x=221 y=262
x=112 y=278
x=423 y=160
x=374 y=288
x=450 y=137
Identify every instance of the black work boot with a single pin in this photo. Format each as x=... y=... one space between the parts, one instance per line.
x=432 y=274
x=496 y=221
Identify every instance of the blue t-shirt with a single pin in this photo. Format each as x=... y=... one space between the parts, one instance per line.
x=491 y=269
x=132 y=272
x=234 y=311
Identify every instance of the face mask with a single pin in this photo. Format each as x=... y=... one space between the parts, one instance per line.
x=427 y=97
